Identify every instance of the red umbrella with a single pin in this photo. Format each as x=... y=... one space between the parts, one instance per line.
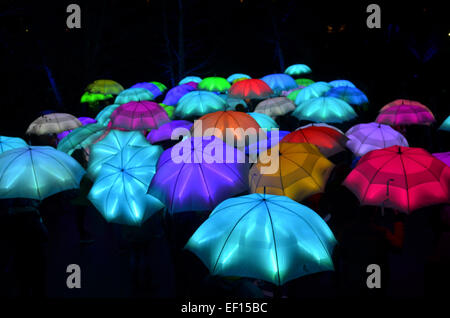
x=328 y=140
x=250 y=89
x=401 y=178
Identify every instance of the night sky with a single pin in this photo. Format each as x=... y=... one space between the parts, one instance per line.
x=136 y=41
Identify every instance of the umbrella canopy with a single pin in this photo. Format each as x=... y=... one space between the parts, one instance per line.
x=402 y=178
x=445 y=125
x=443 y=156
x=120 y=191
x=81 y=137
x=164 y=132
x=193 y=175
x=114 y=142
x=216 y=124
x=297 y=69
x=293 y=93
x=328 y=140
x=170 y=110
x=273 y=137
x=152 y=88
x=175 y=93
x=405 y=115
x=351 y=95
x=250 y=89
x=83 y=121
x=103 y=117
x=301 y=172
x=8 y=143
x=279 y=82
x=398 y=102
x=37 y=172
x=324 y=109
x=139 y=116
x=274 y=107
x=304 y=82
x=193 y=84
x=342 y=83
x=199 y=103
x=312 y=91
x=266 y=237
x=188 y=79
x=160 y=85
x=89 y=97
x=105 y=87
x=264 y=121
x=232 y=102
x=235 y=76
x=53 y=123
x=214 y=84
x=133 y=95
x=321 y=125
x=367 y=137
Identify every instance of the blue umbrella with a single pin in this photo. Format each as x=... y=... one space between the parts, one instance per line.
x=175 y=93
x=8 y=143
x=152 y=88
x=341 y=83
x=317 y=89
x=133 y=95
x=351 y=95
x=266 y=237
x=199 y=103
x=279 y=82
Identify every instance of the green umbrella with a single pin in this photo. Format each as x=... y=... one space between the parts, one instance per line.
x=324 y=110
x=94 y=97
x=161 y=86
x=8 y=143
x=133 y=95
x=170 y=110
x=214 y=84
x=81 y=137
x=304 y=81
x=293 y=95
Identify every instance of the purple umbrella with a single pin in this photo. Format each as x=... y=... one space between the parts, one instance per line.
x=198 y=173
x=263 y=145
x=139 y=116
x=83 y=120
x=150 y=87
x=174 y=94
x=443 y=156
x=164 y=132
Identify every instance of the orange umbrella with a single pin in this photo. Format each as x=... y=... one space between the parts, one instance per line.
x=217 y=123
x=328 y=140
x=301 y=171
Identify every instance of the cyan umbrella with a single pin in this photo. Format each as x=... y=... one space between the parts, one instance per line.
x=279 y=82
x=198 y=173
x=188 y=79
x=297 y=69
x=235 y=76
x=133 y=95
x=317 y=89
x=445 y=125
x=351 y=95
x=152 y=88
x=37 y=172
x=120 y=191
x=174 y=94
x=266 y=237
x=114 y=142
x=8 y=143
x=324 y=110
x=81 y=137
x=304 y=81
x=342 y=83
x=214 y=84
x=264 y=121
x=102 y=117
x=199 y=103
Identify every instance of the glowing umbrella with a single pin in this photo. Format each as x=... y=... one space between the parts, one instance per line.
x=341 y=83
x=304 y=81
x=214 y=84
x=152 y=88
x=402 y=178
x=250 y=89
x=398 y=102
x=235 y=76
x=266 y=237
x=175 y=94
x=193 y=84
x=232 y=102
x=103 y=117
x=105 y=87
x=83 y=121
x=164 y=132
x=120 y=191
x=37 y=172
x=89 y=97
x=279 y=82
x=328 y=140
x=321 y=125
x=272 y=138
x=274 y=107
x=199 y=173
x=367 y=137
x=324 y=109
x=312 y=91
x=170 y=110
x=199 y=103
x=160 y=85
x=114 y=142
x=8 y=143
x=443 y=156
x=239 y=79
x=297 y=69
x=53 y=123
x=351 y=95
x=139 y=116
x=405 y=115
x=264 y=121
x=188 y=79
x=133 y=95
x=445 y=125
x=296 y=171
x=81 y=137
x=293 y=93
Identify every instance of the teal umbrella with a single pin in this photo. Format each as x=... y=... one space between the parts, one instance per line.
x=324 y=110
x=37 y=172
x=317 y=89
x=198 y=103
x=297 y=69
x=111 y=145
x=235 y=76
x=133 y=95
x=264 y=121
x=232 y=102
x=188 y=79
x=8 y=143
x=81 y=137
x=120 y=191
x=103 y=116
x=266 y=237
x=445 y=125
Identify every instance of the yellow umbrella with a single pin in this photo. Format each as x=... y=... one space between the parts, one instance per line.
x=105 y=87
x=300 y=171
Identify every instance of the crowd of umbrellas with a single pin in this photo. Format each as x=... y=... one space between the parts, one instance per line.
x=257 y=226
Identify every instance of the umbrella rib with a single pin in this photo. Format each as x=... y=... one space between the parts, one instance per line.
x=176 y=183
x=9 y=164
x=274 y=240
x=305 y=169
x=109 y=192
x=367 y=136
x=204 y=181
x=35 y=177
x=54 y=158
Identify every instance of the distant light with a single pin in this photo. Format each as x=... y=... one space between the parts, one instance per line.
x=26 y=30
x=448 y=34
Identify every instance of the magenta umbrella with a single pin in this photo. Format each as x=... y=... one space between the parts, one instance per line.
x=405 y=114
x=139 y=116
x=193 y=175
x=443 y=156
x=164 y=132
x=193 y=84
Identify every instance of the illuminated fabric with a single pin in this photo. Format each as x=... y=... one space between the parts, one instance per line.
x=250 y=89
x=94 y=97
x=133 y=95
x=351 y=95
x=445 y=125
x=293 y=93
x=324 y=110
x=141 y=115
x=304 y=81
x=279 y=82
x=235 y=76
x=297 y=69
x=164 y=132
x=266 y=143
x=105 y=87
x=152 y=88
x=443 y=156
x=275 y=107
x=264 y=121
x=406 y=102
x=214 y=84
x=8 y=143
x=83 y=121
x=53 y=123
x=312 y=91
x=405 y=114
x=199 y=103
x=160 y=85
x=81 y=137
x=188 y=79
x=174 y=94
x=103 y=116
x=341 y=83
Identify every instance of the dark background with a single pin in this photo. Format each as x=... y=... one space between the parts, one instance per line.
x=136 y=41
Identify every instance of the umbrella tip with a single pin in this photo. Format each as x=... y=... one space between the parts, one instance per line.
x=399 y=150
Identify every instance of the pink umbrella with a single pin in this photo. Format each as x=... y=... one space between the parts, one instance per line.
x=164 y=132
x=193 y=84
x=405 y=115
x=403 y=102
x=140 y=115
x=443 y=156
